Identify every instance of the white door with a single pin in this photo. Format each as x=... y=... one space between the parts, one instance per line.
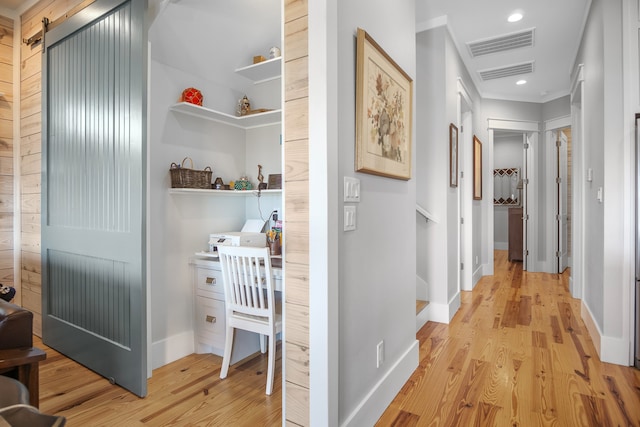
x=525 y=195
x=561 y=213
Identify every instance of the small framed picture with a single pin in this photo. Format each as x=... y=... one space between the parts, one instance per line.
x=275 y=181
x=453 y=155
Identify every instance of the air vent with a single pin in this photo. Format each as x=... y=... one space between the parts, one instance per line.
x=509 y=70
x=502 y=43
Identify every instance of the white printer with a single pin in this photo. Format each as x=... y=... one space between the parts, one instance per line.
x=250 y=235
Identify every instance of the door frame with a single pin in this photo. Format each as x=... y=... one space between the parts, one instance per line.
x=551 y=230
x=466 y=276
x=527 y=128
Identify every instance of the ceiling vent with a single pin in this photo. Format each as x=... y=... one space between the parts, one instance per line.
x=502 y=43
x=508 y=71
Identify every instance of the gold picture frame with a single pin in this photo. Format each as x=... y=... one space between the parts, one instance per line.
x=384 y=112
x=477 y=168
x=453 y=155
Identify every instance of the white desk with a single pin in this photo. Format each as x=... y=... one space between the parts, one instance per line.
x=209 y=309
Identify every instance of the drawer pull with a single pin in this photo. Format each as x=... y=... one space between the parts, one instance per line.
x=211 y=280
x=211 y=319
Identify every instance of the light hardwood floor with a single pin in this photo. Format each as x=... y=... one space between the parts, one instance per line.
x=516 y=354
x=187 y=392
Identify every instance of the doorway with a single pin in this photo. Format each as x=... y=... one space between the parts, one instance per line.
x=562 y=211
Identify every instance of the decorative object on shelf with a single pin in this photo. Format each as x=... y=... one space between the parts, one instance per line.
x=505 y=186
x=383 y=112
x=242 y=184
x=258 y=59
x=274 y=52
x=182 y=177
x=244 y=106
x=275 y=181
x=477 y=168
x=273 y=239
x=453 y=155
x=218 y=184
x=192 y=95
x=262 y=185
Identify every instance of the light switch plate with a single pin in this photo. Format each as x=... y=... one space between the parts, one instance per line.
x=349 y=218
x=351 y=189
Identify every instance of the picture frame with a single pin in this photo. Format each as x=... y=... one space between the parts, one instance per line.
x=477 y=168
x=453 y=155
x=384 y=112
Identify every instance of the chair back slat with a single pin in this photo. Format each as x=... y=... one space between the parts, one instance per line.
x=247 y=280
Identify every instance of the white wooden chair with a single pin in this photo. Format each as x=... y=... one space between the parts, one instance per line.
x=249 y=299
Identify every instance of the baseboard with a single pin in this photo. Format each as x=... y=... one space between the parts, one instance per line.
x=171 y=349
x=592 y=327
x=477 y=275
x=423 y=317
x=383 y=393
x=610 y=349
x=443 y=313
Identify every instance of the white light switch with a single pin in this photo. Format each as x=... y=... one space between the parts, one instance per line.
x=349 y=218
x=351 y=189
x=600 y=196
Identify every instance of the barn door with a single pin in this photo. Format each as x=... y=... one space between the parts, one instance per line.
x=94 y=190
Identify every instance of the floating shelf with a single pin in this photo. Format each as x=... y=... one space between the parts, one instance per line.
x=223 y=193
x=262 y=71
x=245 y=122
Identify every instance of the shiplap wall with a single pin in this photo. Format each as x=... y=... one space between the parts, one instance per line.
x=6 y=153
x=30 y=149
x=296 y=205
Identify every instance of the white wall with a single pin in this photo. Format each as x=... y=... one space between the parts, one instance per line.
x=377 y=261
x=180 y=224
x=606 y=263
x=439 y=243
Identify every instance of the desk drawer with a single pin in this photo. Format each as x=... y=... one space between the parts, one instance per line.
x=210 y=320
x=209 y=280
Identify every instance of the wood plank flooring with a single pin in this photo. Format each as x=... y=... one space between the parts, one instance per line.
x=187 y=392
x=516 y=354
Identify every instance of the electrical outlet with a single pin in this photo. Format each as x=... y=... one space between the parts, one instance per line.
x=380 y=354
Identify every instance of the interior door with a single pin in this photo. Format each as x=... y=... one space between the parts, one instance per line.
x=94 y=190
x=525 y=194
x=561 y=213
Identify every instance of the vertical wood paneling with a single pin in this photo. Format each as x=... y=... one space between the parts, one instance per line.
x=6 y=154
x=30 y=148
x=296 y=184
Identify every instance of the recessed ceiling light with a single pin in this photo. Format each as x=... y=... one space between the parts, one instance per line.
x=514 y=17
x=521 y=82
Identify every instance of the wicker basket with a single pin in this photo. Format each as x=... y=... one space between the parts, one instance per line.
x=182 y=177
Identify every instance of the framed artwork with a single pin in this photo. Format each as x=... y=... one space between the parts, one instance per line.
x=477 y=168
x=453 y=155
x=384 y=103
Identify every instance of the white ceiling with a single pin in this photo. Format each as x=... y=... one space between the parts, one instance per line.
x=558 y=28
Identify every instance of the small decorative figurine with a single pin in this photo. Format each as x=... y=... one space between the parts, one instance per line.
x=262 y=185
x=274 y=52
x=244 y=106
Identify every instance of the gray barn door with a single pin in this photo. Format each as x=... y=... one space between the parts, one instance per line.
x=94 y=191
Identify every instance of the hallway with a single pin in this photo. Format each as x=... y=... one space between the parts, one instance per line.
x=515 y=354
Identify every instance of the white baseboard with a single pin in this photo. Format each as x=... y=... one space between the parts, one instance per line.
x=171 y=349
x=477 y=275
x=381 y=395
x=610 y=349
x=443 y=313
x=423 y=317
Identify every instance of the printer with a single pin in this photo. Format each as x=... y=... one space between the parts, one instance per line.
x=250 y=235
